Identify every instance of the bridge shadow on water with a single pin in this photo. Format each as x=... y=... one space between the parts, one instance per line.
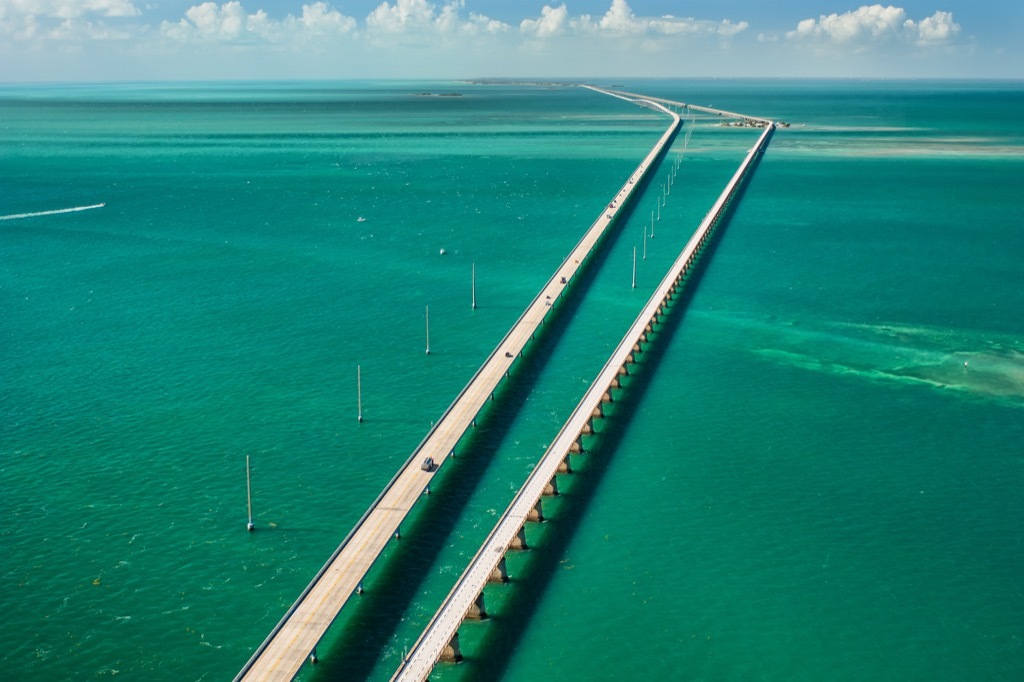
x=487 y=653
x=488 y=656
x=368 y=622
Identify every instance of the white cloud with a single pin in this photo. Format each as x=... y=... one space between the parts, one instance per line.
x=419 y=17
x=872 y=21
x=390 y=24
x=620 y=20
x=669 y=25
x=230 y=22
x=938 y=28
x=404 y=15
x=215 y=22
x=552 y=22
x=67 y=9
x=727 y=29
x=875 y=23
x=63 y=19
x=320 y=19
x=72 y=30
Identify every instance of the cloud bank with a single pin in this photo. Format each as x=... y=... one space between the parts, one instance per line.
x=62 y=20
x=874 y=24
x=448 y=34
x=620 y=20
x=418 y=21
x=230 y=22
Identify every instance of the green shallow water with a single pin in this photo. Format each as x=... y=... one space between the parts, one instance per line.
x=804 y=480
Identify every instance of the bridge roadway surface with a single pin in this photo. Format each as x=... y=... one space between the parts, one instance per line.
x=444 y=626
x=294 y=638
x=661 y=100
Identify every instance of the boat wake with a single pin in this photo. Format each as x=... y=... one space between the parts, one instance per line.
x=16 y=216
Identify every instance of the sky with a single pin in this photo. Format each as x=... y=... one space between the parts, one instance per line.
x=133 y=40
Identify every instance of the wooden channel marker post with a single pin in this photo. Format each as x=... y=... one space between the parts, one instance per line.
x=634 y=267
x=248 y=495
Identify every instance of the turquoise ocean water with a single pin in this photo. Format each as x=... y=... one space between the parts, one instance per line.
x=816 y=471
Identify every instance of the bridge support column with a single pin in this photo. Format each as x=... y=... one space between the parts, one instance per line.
x=452 y=653
x=477 y=610
x=536 y=514
x=519 y=541
x=623 y=371
x=566 y=466
x=312 y=656
x=588 y=428
x=398 y=533
x=500 y=573
x=577 y=445
x=551 y=489
x=598 y=411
